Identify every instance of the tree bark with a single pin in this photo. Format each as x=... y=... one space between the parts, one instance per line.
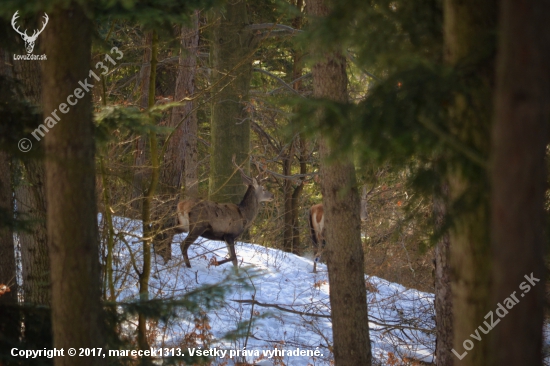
x=230 y=128
x=140 y=155
x=70 y=186
x=31 y=203
x=443 y=294
x=181 y=157
x=9 y=321
x=469 y=31
x=291 y=233
x=341 y=202
x=518 y=178
x=7 y=248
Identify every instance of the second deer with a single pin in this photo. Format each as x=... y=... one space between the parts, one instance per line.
x=317 y=226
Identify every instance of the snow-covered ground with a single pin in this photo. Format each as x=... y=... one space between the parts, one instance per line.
x=402 y=320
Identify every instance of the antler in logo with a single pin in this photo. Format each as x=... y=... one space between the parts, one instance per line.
x=29 y=40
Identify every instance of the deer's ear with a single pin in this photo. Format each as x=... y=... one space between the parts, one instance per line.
x=255 y=183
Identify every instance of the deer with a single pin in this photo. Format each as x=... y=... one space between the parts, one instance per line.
x=221 y=221
x=29 y=40
x=317 y=225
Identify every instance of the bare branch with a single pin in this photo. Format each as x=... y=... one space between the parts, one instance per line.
x=272 y=26
x=287 y=86
x=303 y=313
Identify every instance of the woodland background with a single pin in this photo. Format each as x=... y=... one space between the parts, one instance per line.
x=440 y=108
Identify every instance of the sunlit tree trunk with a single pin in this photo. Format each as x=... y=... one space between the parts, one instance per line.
x=518 y=179
x=181 y=157
x=70 y=187
x=344 y=252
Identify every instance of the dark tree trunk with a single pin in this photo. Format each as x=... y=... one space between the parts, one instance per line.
x=70 y=185
x=344 y=252
x=288 y=243
x=443 y=295
x=10 y=327
x=31 y=203
x=469 y=46
x=518 y=179
x=230 y=128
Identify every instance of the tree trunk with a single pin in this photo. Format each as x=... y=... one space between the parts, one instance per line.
x=348 y=297
x=140 y=155
x=518 y=179
x=147 y=209
x=31 y=203
x=9 y=321
x=469 y=45
x=443 y=294
x=70 y=175
x=181 y=157
x=230 y=128
x=287 y=194
x=291 y=236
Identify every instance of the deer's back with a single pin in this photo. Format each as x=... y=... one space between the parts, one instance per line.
x=217 y=219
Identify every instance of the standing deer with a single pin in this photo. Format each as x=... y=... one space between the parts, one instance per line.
x=317 y=226
x=221 y=221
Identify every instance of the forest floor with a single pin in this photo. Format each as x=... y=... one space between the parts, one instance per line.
x=288 y=304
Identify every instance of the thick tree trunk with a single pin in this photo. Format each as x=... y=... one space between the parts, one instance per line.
x=230 y=128
x=518 y=179
x=469 y=43
x=344 y=252
x=443 y=295
x=70 y=186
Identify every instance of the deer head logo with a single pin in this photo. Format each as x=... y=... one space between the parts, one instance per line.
x=29 y=40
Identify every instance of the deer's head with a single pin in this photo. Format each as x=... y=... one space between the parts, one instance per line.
x=262 y=194
x=29 y=40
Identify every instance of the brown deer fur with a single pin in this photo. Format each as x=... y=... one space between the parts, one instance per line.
x=317 y=226
x=220 y=221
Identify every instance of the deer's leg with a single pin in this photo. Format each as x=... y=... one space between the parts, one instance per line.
x=230 y=243
x=190 y=239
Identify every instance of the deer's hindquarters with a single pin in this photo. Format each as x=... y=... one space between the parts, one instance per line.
x=317 y=225
x=183 y=219
x=184 y=207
